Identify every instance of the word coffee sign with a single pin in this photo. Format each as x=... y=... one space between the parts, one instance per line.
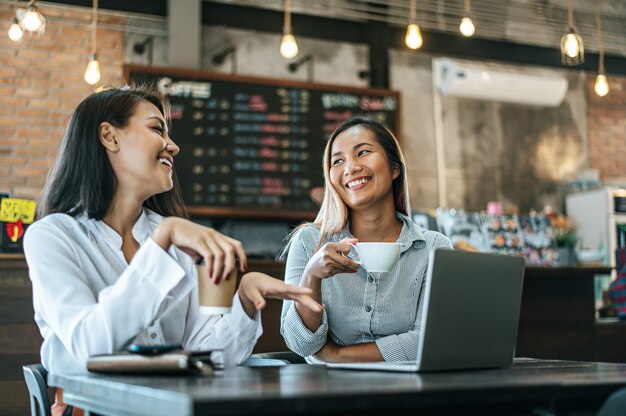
x=251 y=146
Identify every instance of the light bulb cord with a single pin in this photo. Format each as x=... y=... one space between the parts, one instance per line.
x=468 y=8
x=94 y=27
x=287 y=18
x=413 y=12
x=599 y=26
x=570 y=14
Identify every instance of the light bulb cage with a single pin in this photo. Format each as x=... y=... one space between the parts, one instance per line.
x=572 y=60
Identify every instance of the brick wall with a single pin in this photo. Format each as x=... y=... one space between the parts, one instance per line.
x=606 y=120
x=41 y=82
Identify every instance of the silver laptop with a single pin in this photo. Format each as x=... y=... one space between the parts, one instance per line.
x=471 y=304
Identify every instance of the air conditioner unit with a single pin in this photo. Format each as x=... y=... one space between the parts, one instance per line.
x=469 y=80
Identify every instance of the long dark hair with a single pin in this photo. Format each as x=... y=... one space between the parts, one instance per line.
x=82 y=179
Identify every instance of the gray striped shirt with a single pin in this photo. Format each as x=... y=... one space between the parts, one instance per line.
x=364 y=307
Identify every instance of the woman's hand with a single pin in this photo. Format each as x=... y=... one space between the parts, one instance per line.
x=332 y=259
x=217 y=250
x=256 y=287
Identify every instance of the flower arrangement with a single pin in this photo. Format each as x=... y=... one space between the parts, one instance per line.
x=564 y=232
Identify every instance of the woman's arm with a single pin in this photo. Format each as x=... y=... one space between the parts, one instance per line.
x=332 y=353
x=89 y=321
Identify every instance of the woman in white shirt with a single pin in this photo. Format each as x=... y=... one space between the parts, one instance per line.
x=367 y=316
x=107 y=268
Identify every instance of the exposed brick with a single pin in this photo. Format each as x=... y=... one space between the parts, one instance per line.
x=7 y=130
x=30 y=152
x=73 y=58
x=7 y=181
x=7 y=90
x=13 y=161
x=13 y=101
x=26 y=192
x=41 y=163
x=12 y=142
x=33 y=112
x=47 y=103
x=8 y=72
x=7 y=121
x=34 y=55
x=32 y=92
x=607 y=128
x=31 y=133
x=46 y=144
x=7 y=111
x=29 y=171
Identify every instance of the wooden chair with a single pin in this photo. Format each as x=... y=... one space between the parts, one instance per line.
x=36 y=378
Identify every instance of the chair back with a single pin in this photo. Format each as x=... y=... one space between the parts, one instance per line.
x=36 y=378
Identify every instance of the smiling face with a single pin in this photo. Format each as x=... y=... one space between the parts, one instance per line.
x=144 y=158
x=359 y=169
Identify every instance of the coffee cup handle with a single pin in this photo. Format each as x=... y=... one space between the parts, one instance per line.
x=355 y=249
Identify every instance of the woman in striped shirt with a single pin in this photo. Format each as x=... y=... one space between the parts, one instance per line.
x=367 y=316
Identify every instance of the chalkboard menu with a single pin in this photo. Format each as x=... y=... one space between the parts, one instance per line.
x=253 y=147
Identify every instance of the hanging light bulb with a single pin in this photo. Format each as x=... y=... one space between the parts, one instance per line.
x=92 y=73
x=413 y=38
x=15 y=31
x=33 y=20
x=466 y=27
x=288 y=44
x=601 y=86
x=572 y=48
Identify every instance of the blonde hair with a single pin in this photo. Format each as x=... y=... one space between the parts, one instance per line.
x=333 y=214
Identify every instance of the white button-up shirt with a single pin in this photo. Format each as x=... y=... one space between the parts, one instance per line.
x=88 y=300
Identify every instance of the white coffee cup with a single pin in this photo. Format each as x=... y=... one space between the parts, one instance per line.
x=378 y=257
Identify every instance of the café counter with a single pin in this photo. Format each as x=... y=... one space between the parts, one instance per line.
x=557 y=320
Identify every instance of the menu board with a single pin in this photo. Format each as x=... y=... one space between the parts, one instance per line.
x=253 y=147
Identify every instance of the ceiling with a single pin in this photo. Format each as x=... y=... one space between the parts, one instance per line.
x=533 y=22
x=526 y=22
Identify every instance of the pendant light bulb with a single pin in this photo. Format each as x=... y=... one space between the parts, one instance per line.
x=288 y=45
x=572 y=47
x=15 y=31
x=32 y=19
x=602 y=85
x=413 y=37
x=92 y=73
x=467 y=27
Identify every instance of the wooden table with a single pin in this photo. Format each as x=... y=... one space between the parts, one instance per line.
x=529 y=386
